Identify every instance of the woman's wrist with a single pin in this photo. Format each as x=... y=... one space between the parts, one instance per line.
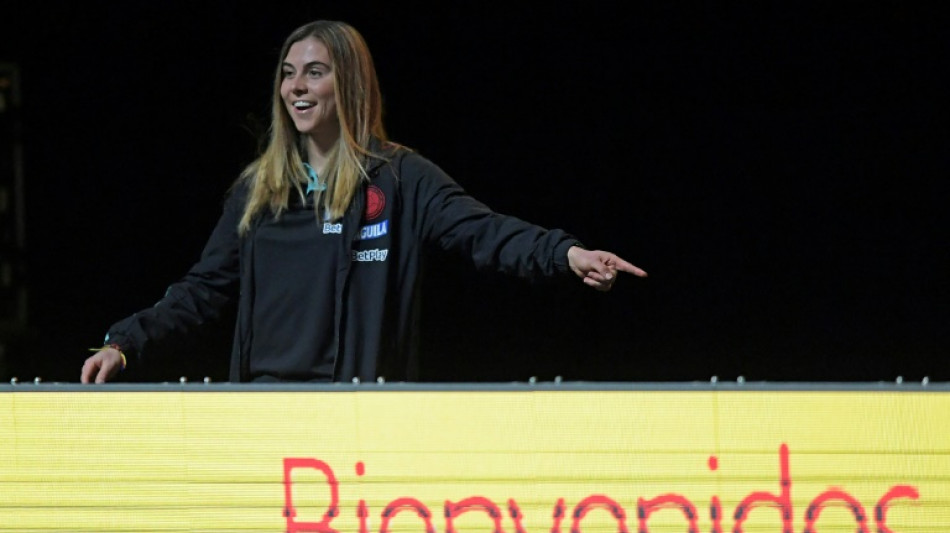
x=117 y=348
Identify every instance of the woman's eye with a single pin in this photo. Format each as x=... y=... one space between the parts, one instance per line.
x=315 y=73
x=287 y=73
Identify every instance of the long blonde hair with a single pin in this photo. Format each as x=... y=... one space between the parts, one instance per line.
x=359 y=107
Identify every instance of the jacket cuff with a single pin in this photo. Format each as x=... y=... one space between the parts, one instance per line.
x=125 y=344
x=560 y=255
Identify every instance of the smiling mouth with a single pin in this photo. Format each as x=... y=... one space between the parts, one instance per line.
x=303 y=106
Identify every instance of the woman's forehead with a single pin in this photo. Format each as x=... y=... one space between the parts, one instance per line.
x=307 y=50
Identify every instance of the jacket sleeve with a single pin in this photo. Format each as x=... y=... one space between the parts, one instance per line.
x=446 y=215
x=198 y=298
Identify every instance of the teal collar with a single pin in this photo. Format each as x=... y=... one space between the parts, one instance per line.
x=313 y=180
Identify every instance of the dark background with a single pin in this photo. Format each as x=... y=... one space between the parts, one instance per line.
x=779 y=172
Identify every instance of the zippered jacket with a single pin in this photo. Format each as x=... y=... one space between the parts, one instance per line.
x=407 y=206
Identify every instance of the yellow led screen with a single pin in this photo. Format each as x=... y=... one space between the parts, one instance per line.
x=446 y=460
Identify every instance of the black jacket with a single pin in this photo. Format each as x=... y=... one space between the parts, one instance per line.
x=408 y=205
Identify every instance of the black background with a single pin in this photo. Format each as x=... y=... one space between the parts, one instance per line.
x=779 y=172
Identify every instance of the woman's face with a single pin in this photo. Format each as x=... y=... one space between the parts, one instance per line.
x=307 y=89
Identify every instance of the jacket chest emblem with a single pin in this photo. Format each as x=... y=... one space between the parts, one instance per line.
x=375 y=203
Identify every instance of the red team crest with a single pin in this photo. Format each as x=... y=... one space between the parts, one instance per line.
x=375 y=202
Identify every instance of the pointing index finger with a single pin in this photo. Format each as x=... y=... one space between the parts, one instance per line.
x=629 y=268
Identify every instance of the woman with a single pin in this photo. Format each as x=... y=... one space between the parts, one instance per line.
x=322 y=238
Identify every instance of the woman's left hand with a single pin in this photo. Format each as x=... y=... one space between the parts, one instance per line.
x=598 y=268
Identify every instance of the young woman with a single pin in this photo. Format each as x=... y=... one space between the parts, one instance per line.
x=322 y=238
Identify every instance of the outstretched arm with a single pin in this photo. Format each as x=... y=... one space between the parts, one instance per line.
x=598 y=268
x=197 y=300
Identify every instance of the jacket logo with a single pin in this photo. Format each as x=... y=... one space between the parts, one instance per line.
x=370 y=255
x=374 y=231
x=375 y=202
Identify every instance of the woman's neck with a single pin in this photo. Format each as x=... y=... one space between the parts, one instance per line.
x=319 y=152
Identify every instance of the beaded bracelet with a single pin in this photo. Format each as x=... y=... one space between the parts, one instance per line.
x=115 y=347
